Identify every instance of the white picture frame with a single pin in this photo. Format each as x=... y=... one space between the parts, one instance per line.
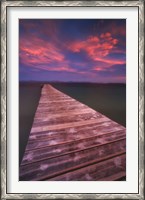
x=6 y=91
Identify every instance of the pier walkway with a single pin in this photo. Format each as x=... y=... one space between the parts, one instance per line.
x=71 y=142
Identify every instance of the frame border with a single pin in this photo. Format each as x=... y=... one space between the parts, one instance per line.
x=4 y=4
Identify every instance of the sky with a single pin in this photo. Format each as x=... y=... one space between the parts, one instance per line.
x=72 y=50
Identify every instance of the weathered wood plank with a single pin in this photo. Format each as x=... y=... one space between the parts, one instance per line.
x=40 y=153
x=63 y=120
x=68 y=138
x=97 y=139
x=68 y=125
x=82 y=131
x=45 y=117
x=62 y=104
x=73 y=159
x=41 y=171
x=62 y=135
x=103 y=171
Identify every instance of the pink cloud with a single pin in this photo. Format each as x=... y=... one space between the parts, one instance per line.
x=36 y=51
x=111 y=62
x=93 y=39
x=99 y=69
x=98 y=48
x=38 y=54
x=58 y=68
x=105 y=35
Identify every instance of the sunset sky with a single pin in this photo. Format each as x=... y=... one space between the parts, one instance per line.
x=78 y=50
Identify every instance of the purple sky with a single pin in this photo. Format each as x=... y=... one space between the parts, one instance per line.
x=79 y=50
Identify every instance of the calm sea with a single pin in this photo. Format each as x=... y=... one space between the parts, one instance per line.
x=109 y=99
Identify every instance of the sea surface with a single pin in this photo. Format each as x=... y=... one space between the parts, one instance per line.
x=108 y=99
x=29 y=95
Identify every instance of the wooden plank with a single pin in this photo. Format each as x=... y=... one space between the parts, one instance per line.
x=40 y=153
x=73 y=159
x=82 y=131
x=74 y=137
x=44 y=116
x=55 y=170
x=68 y=137
x=34 y=145
x=68 y=125
x=102 y=171
x=60 y=107
x=63 y=114
x=63 y=119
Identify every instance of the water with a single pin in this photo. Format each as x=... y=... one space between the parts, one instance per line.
x=109 y=99
x=29 y=95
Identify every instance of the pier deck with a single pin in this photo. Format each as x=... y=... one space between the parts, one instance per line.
x=71 y=142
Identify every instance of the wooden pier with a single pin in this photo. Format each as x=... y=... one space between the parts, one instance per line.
x=71 y=142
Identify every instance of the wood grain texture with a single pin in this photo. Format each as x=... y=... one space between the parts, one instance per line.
x=70 y=141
